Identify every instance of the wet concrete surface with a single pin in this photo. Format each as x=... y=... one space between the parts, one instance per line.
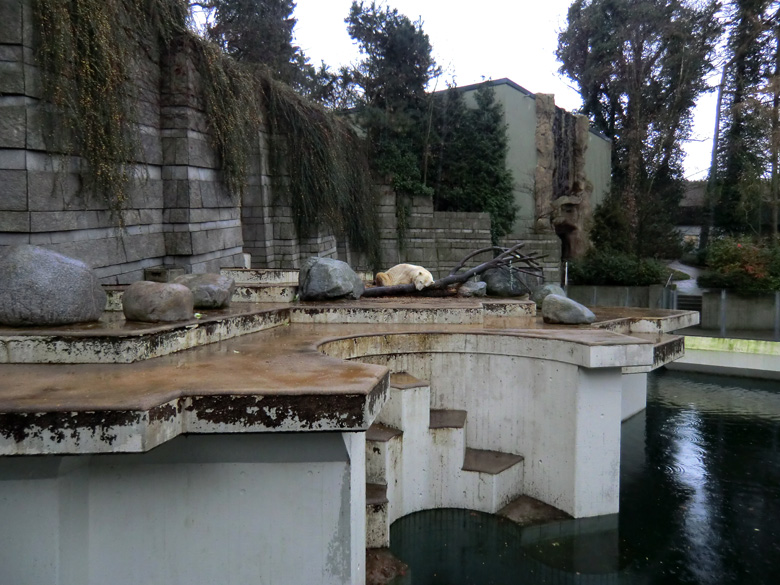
x=282 y=363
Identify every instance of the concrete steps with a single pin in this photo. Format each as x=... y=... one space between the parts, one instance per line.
x=261 y=285
x=689 y=302
x=417 y=458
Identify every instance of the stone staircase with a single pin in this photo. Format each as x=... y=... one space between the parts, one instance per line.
x=417 y=458
x=689 y=303
x=268 y=285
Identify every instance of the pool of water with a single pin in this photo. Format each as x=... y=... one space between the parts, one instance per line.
x=699 y=504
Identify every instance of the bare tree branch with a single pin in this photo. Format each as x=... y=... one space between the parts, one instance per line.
x=504 y=260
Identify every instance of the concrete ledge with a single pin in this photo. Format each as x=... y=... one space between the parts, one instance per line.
x=582 y=347
x=116 y=341
x=633 y=320
x=272 y=381
x=733 y=357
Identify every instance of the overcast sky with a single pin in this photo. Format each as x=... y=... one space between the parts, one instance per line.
x=482 y=39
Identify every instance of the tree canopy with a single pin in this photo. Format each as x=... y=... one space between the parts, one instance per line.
x=639 y=66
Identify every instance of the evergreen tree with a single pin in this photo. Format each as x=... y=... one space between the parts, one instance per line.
x=261 y=31
x=640 y=65
x=388 y=86
x=743 y=152
x=470 y=159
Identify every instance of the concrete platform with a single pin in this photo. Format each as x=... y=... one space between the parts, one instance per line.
x=233 y=431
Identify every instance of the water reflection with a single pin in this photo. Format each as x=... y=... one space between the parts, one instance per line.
x=700 y=504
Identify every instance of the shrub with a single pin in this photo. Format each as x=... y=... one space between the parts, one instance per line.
x=742 y=265
x=607 y=267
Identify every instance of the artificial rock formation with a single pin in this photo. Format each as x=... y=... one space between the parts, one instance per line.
x=155 y=302
x=560 y=309
x=562 y=191
x=541 y=292
x=39 y=287
x=325 y=278
x=209 y=291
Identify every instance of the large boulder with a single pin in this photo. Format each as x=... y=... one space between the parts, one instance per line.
x=540 y=292
x=154 y=302
x=560 y=309
x=325 y=278
x=39 y=287
x=472 y=288
x=502 y=282
x=210 y=291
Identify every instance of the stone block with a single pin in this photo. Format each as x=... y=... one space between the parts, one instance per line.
x=151 y=149
x=33 y=84
x=28 y=30
x=14 y=221
x=163 y=273
x=200 y=153
x=51 y=191
x=13 y=190
x=11 y=22
x=52 y=221
x=13 y=124
x=178 y=243
x=104 y=251
x=150 y=217
x=11 y=78
x=179 y=215
x=11 y=52
x=175 y=150
x=143 y=246
x=207 y=241
x=35 y=138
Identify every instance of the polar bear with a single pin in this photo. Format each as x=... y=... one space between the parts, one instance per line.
x=405 y=274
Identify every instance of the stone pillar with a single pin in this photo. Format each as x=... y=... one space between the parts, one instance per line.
x=202 y=218
x=571 y=212
x=543 y=174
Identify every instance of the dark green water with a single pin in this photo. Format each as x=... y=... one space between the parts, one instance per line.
x=699 y=504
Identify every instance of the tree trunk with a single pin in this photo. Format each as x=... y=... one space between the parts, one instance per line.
x=709 y=216
x=775 y=137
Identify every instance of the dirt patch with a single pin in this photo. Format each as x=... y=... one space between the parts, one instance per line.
x=382 y=567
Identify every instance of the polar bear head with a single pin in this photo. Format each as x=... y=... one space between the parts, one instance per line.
x=422 y=279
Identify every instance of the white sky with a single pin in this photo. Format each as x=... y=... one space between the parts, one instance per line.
x=488 y=39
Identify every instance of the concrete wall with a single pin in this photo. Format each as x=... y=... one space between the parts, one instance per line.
x=651 y=297
x=760 y=312
x=178 y=212
x=562 y=417
x=598 y=167
x=520 y=112
x=228 y=509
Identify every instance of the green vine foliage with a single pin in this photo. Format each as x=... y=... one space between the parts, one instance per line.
x=83 y=51
x=86 y=49
x=322 y=168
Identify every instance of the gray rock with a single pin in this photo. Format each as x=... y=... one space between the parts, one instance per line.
x=504 y=283
x=153 y=302
x=39 y=287
x=210 y=291
x=325 y=278
x=560 y=309
x=540 y=292
x=472 y=288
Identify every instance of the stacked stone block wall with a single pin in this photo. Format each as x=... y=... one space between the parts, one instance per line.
x=179 y=211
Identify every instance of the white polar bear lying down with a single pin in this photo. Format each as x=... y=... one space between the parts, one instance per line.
x=405 y=274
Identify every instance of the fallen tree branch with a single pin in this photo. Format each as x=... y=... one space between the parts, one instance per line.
x=504 y=260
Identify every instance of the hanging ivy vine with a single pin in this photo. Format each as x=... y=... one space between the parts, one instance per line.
x=322 y=168
x=86 y=49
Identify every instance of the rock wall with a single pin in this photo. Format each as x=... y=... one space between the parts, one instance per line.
x=562 y=191
x=179 y=212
